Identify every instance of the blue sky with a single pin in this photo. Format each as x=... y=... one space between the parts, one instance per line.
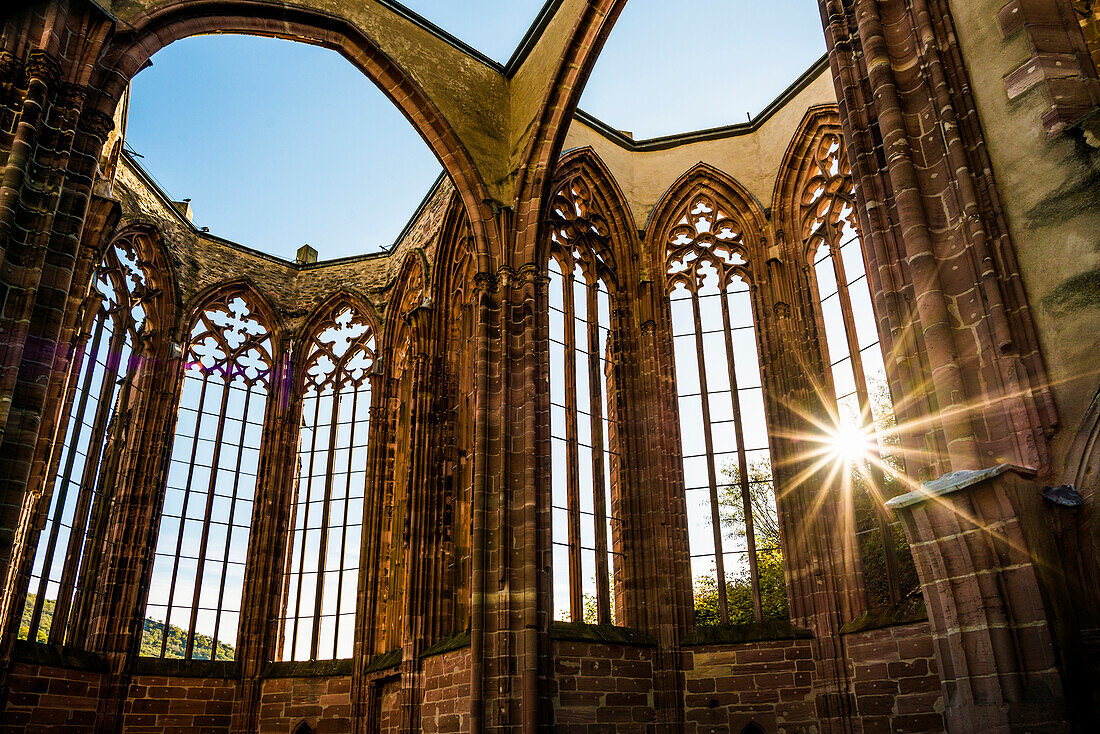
x=278 y=144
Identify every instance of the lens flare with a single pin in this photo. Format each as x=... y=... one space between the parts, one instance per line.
x=850 y=444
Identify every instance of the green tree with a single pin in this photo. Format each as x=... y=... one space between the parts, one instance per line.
x=769 y=554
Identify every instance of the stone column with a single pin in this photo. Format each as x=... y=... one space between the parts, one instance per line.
x=258 y=633
x=993 y=642
x=50 y=160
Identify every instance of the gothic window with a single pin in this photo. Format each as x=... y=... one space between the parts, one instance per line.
x=865 y=437
x=736 y=560
x=399 y=414
x=63 y=575
x=323 y=568
x=584 y=451
x=197 y=582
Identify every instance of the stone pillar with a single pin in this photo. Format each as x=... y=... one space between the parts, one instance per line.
x=258 y=634
x=993 y=642
x=50 y=161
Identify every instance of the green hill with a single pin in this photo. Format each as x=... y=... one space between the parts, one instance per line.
x=150 y=635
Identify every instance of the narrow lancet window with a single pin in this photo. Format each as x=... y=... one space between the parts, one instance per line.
x=736 y=560
x=197 y=583
x=584 y=451
x=321 y=581
x=65 y=571
x=865 y=424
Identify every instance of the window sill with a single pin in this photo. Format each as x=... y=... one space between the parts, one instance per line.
x=58 y=656
x=740 y=633
x=607 y=634
x=384 y=661
x=907 y=611
x=447 y=644
x=175 y=667
x=308 y=669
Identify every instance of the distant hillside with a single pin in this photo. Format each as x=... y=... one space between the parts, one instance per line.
x=177 y=643
x=150 y=637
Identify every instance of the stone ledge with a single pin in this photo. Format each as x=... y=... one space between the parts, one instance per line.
x=386 y=660
x=447 y=644
x=740 y=633
x=309 y=669
x=58 y=656
x=954 y=482
x=908 y=611
x=607 y=634
x=185 y=668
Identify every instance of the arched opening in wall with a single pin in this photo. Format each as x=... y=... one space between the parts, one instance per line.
x=322 y=572
x=584 y=421
x=104 y=383
x=733 y=524
x=194 y=602
x=276 y=144
x=864 y=439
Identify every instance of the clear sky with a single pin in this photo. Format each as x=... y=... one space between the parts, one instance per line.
x=278 y=144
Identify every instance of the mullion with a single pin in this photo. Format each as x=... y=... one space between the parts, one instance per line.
x=344 y=532
x=183 y=512
x=599 y=499
x=743 y=465
x=98 y=437
x=715 y=515
x=854 y=353
x=305 y=526
x=322 y=555
x=229 y=526
x=87 y=580
x=576 y=599
x=62 y=486
x=200 y=564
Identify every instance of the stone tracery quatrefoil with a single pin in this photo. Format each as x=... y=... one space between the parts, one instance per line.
x=581 y=234
x=706 y=240
x=828 y=197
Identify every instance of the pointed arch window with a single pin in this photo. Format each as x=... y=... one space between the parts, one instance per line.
x=583 y=419
x=194 y=600
x=321 y=579
x=736 y=560
x=64 y=573
x=864 y=408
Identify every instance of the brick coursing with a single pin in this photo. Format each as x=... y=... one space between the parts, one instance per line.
x=323 y=703
x=45 y=699
x=183 y=705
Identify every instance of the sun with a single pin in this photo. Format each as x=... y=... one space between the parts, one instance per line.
x=850 y=443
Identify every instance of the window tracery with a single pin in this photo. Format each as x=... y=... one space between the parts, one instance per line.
x=864 y=406
x=194 y=599
x=64 y=572
x=736 y=560
x=321 y=580
x=583 y=420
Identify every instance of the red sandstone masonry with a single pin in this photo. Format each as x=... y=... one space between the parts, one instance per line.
x=55 y=700
x=897 y=683
x=602 y=688
x=324 y=703
x=445 y=706
x=158 y=704
x=770 y=683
